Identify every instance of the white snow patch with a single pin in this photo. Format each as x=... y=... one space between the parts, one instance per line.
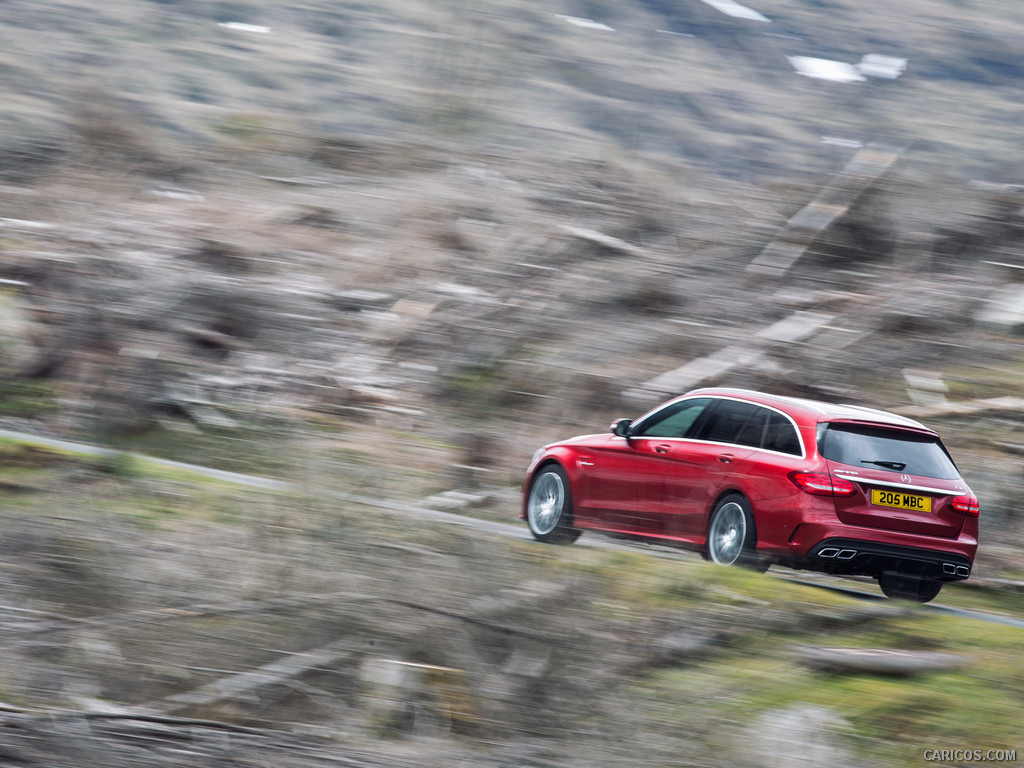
x=734 y=9
x=240 y=27
x=585 y=23
x=879 y=65
x=177 y=194
x=826 y=69
x=462 y=291
x=837 y=141
x=24 y=224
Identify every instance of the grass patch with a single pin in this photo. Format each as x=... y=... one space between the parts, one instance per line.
x=751 y=673
x=248 y=449
x=891 y=719
x=25 y=455
x=976 y=598
x=640 y=579
x=27 y=398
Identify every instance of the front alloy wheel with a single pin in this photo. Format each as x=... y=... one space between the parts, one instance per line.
x=549 y=507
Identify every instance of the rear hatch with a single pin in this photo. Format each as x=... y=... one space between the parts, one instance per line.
x=903 y=479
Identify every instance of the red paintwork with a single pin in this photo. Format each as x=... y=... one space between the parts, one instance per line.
x=666 y=487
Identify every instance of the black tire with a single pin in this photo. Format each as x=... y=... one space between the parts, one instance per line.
x=732 y=538
x=549 y=507
x=896 y=586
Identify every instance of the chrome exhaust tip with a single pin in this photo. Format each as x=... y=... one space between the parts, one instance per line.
x=828 y=552
x=963 y=570
x=949 y=569
x=846 y=554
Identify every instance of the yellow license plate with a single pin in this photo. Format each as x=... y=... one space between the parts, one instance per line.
x=901 y=500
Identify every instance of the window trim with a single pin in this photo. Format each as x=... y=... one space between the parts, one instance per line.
x=714 y=404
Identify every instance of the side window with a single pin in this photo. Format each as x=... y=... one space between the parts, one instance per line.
x=728 y=422
x=752 y=433
x=780 y=435
x=673 y=420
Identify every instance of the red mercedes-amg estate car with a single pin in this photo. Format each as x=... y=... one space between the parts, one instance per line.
x=755 y=479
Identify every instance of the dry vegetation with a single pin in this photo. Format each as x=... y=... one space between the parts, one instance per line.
x=154 y=616
x=385 y=251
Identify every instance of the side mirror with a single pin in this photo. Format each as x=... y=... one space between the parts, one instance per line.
x=621 y=427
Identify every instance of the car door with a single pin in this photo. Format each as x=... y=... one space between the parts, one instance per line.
x=626 y=478
x=697 y=467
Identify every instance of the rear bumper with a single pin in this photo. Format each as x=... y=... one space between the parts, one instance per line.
x=869 y=558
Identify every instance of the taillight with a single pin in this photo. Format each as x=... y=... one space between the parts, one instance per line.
x=967 y=505
x=822 y=484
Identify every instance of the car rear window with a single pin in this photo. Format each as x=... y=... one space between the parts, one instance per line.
x=887 y=449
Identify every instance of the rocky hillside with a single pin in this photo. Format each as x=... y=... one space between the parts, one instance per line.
x=384 y=251
x=492 y=227
x=683 y=84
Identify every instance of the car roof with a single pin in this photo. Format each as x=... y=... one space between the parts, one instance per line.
x=814 y=410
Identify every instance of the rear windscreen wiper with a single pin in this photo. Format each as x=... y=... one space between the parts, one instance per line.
x=897 y=465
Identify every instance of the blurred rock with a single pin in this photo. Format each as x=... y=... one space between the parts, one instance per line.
x=25 y=158
x=319 y=216
x=1004 y=310
x=675 y=649
x=221 y=256
x=401 y=698
x=798 y=736
x=17 y=330
x=877 y=661
x=451 y=501
x=355 y=300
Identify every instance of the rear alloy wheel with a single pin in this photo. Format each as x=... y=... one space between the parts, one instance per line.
x=549 y=507
x=896 y=586
x=731 y=536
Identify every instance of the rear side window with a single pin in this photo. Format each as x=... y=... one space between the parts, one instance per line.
x=752 y=432
x=732 y=421
x=887 y=449
x=781 y=435
x=728 y=421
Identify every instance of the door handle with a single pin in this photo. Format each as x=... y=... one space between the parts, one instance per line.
x=726 y=458
x=662 y=448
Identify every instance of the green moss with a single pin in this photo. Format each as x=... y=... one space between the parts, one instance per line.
x=14 y=453
x=26 y=398
x=242 y=126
